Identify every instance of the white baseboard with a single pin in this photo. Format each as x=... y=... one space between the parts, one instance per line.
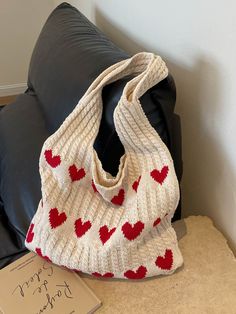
x=14 y=89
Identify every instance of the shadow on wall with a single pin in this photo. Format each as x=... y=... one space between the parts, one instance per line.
x=208 y=180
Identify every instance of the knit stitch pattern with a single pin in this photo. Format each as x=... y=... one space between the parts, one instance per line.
x=89 y=220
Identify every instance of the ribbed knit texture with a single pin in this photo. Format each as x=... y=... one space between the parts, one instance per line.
x=91 y=221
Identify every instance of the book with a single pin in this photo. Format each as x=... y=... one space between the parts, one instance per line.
x=31 y=285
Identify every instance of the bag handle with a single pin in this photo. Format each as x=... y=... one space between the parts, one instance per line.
x=132 y=126
x=148 y=68
x=140 y=65
x=82 y=125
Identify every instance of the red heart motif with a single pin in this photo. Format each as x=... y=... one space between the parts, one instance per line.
x=82 y=227
x=140 y=273
x=75 y=173
x=156 y=222
x=119 y=198
x=105 y=233
x=94 y=187
x=53 y=161
x=165 y=262
x=132 y=231
x=39 y=252
x=30 y=234
x=106 y=275
x=136 y=184
x=159 y=176
x=55 y=218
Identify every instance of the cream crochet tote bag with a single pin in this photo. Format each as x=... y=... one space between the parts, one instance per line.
x=93 y=222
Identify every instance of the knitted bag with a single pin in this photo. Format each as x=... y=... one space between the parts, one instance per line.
x=89 y=220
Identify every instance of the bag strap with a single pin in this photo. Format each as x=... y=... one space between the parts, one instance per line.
x=148 y=70
x=82 y=125
x=140 y=65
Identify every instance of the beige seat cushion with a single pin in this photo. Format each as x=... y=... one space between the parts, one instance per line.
x=205 y=284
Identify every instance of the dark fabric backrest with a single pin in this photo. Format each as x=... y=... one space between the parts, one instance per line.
x=69 y=54
x=22 y=134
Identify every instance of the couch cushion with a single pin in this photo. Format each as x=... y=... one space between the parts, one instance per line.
x=69 y=54
x=22 y=133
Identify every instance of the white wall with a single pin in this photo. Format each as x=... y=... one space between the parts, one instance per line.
x=20 y=24
x=197 y=39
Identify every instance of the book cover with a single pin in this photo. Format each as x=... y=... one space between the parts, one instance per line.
x=31 y=285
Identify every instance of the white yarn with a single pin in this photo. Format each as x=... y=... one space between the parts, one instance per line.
x=91 y=221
